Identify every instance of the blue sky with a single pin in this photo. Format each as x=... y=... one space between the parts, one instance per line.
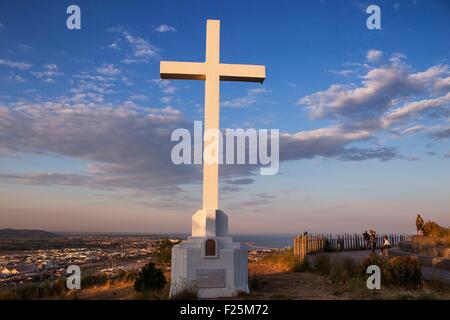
x=364 y=114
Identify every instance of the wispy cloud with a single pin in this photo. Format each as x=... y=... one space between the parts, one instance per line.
x=344 y=73
x=25 y=47
x=108 y=70
x=136 y=49
x=17 y=78
x=163 y=28
x=242 y=102
x=16 y=64
x=165 y=85
x=48 y=73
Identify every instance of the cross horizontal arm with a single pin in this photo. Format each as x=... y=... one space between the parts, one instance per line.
x=182 y=70
x=242 y=72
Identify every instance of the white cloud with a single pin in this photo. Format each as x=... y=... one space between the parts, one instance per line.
x=242 y=102
x=442 y=84
x=165 y=28
x=138 y=97
x=142 y=50
x=165 y=86
x=16 y=64
x=413 y=108
x=49 y=72
x=129 y=147
x=136 y=50
x=25 y=47
x=381 y=89
x=374 y=55
x=344 y=73
x=166 y=100
x=115 y=45
x=412 y=130
x=108 y=70
x=17 y=78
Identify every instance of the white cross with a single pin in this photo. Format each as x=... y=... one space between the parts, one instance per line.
x=212 y=71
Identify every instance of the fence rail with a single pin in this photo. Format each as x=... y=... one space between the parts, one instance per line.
x=314 y=243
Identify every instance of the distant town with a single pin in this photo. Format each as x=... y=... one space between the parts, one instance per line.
x=30 y=259
x=39 y=256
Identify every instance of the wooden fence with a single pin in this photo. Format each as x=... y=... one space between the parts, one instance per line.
x=314 y=243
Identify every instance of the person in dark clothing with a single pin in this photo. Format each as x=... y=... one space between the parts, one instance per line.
x=366 y=238
x=373 y=240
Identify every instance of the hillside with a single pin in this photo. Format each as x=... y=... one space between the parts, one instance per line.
x=25 y=234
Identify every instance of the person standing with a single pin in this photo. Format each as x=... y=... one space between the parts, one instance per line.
x=373 y=240
x=366 y=238
x=386 y=246
x=419 y=225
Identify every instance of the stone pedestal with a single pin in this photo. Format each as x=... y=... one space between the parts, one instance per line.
x=209 y=260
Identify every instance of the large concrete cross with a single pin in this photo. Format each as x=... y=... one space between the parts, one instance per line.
x=212 y=71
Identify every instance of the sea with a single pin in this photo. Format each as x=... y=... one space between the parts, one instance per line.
x=265 y=241
x=269 y=241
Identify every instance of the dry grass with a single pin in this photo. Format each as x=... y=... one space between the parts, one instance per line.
x=272 y=278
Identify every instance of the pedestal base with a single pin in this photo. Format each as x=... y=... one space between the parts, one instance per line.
x=214 y=266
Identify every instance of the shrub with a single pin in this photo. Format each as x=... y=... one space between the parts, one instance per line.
x=298 y=266
x=337 y=273
x=48 y=289
x=163 y=252
x=149 y=278
x=344 y=269
x=286 y=260
x=404 y=271
x=350 y=265
x=91 y=280
x=432 y=229
x=322 y=264
x=400 y=271
x=377 y=260
x=188 y=293
x=254 y=282
x=123 y=275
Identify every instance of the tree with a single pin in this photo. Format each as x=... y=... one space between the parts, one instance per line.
x=149 y=278
x=163 y=252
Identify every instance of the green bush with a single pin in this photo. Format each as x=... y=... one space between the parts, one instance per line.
x=401 y=271
x=350 y=265
x=163 y=252
x=190 y=293
x=255 y=282
x=322 y=264
x=123 y=275
x=91 y=280
x=404 y=271
x=374 y=259
x=44 y=290
x=150 y=278
x=344 y=269
x=298 y=266
x=432 y=229
x=337 y=273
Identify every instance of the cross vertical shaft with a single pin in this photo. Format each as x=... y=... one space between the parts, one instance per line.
x=212 y=72
x=212 y=100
